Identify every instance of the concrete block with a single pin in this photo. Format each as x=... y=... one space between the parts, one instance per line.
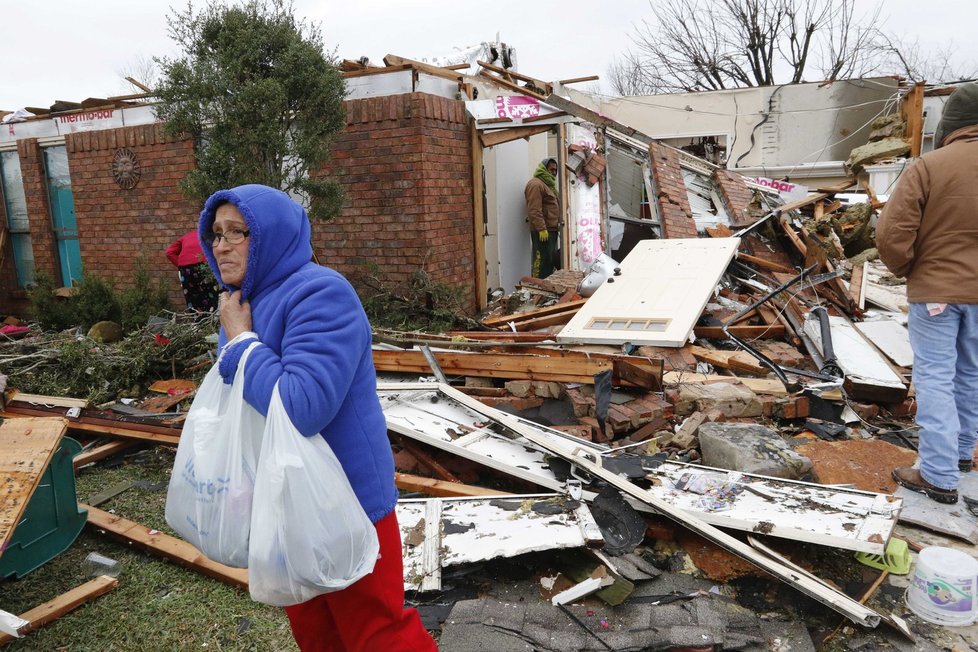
x=750 y=448
x=733 y=400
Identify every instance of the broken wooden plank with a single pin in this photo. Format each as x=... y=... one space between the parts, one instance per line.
x=53 y=609
x=40 y=399
x=494 y=365
x=101 y=452
x=503 y=336
x=500 y=136
x=766 y=264
x=164 y=545
x=503 y=321
x=857 y=285
x=890 y=337
x=442 y=488
x=733 y=360
x=100 y=426
x=26 y=448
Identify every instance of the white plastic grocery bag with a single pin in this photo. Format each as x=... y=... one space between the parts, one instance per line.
x=309 y=534
x=209 y=499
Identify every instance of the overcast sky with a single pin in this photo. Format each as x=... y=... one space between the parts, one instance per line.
x=71 y=50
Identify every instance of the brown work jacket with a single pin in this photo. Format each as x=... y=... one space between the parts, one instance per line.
x=928 y=231
x=541 y=206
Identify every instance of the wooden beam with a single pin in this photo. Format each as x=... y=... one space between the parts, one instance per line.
x=441 y=488
x=912 y=108
x=100 y=453
x=503 y=337
x=503 y=320
x=539 y=83
x=500 y=136
x=513 y=87
x=749 y=332
x=102 y=426
x=139 y=85
x=426 y=459
x=494 y=365
x=435 y=71
x=857 y=285
x=575 y=80
x=377 y=70
x=479 y=220
x=164 y=545
x=58 y=401
x=545 y=116
x=53 y=609
x=766 y=264
x=732 y=360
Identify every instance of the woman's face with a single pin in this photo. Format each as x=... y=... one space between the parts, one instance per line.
x=232 y=259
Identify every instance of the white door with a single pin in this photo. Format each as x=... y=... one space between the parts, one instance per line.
x=658 y=296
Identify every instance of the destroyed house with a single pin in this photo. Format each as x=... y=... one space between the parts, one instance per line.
x=432 y=162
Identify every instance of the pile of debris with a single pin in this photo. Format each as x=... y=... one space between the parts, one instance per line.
x=718 y=412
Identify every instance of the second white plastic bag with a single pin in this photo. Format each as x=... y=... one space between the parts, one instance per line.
x=309 y=534
x=208 y=502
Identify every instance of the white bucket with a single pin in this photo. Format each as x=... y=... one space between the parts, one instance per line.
x=944 y=590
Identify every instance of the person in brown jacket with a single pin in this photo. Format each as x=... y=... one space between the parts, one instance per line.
x=542 y=210
x=928 y=233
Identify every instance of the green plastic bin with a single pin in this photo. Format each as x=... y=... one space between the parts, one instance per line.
x=52 y=520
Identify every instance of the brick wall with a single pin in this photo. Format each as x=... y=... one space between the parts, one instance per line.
x=119 y=226
x=671 y=195
x=404 y=162
x=736 y=196
x=35 y=189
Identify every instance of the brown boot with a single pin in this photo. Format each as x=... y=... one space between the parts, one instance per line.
x=912 y=480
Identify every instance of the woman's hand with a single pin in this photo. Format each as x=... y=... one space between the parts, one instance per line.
x=235 y=314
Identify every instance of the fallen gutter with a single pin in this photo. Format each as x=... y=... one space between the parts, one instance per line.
x=591 y=463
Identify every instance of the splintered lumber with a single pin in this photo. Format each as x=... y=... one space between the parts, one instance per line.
x=53 y=609
x=733 y=360
x=26 y=448
x=765 y=264
x=101 y=452
x=158 y=543
x=560 y=369
x=502 y=336
x=57 y=401
x=432 y=487
x=503 y=321
x=93 y=425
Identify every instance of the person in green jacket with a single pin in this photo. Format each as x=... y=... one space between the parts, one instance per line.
x=543 y=213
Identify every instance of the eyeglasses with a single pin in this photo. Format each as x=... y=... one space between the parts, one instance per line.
x=232 y=237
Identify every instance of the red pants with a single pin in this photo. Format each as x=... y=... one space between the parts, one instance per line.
x=368 y=616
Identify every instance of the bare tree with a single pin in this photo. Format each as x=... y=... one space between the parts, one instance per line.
x=918 y=63
x=628 y=77
x=692 y=45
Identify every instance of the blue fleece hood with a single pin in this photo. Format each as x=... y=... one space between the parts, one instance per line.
x=279 y=242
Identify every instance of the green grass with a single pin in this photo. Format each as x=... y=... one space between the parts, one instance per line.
x=157 y=604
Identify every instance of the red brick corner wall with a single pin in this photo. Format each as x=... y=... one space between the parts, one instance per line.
x=670 y=193
x=405 y=165
x=118 y=226
x=736 y=196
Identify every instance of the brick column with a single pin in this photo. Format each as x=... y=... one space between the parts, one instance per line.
x=38 y=210
x=736 y=196
x=404 y=162
x=670 y=193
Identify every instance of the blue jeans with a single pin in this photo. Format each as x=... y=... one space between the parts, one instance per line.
x=945 y=375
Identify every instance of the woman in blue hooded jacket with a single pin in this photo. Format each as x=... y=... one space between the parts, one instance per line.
x=315 y=342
